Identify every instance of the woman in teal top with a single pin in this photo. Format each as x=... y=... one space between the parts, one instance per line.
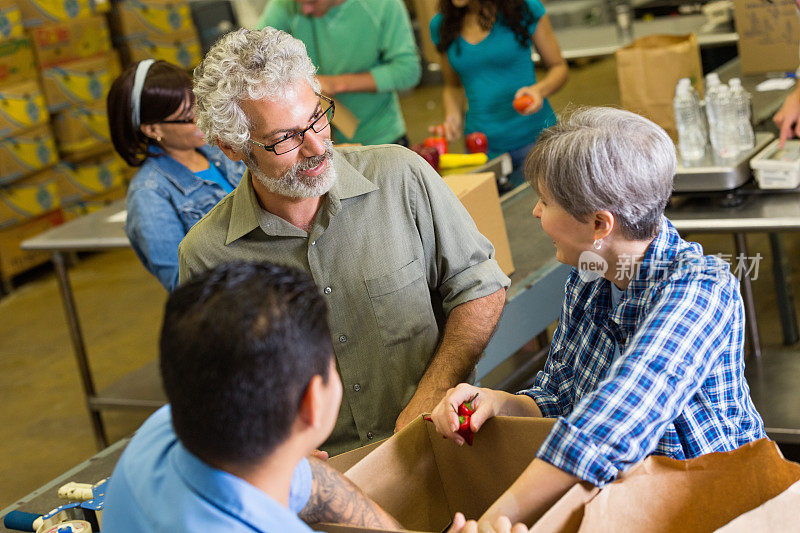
x=487 y=50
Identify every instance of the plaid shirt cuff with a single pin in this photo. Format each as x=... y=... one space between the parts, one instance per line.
x=546 y=403
x=569 y=449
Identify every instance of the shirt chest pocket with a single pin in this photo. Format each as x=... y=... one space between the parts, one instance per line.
x=401 y=303
x=193 y=209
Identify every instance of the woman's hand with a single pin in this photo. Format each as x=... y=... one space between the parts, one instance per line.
x=535 y=94
x=788 y=117
x=451 y=128
x=501 y=525
x=485 y=405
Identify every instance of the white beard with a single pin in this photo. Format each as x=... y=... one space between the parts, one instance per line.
x=294 y=184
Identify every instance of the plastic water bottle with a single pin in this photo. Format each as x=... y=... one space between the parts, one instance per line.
x=703 y=123
x=691 y=137
x=722 y=110
x=712 y=90
x=745 y=137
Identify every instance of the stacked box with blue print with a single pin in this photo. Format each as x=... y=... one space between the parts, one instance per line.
x=158 y=29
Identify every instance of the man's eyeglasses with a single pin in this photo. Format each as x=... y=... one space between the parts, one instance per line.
x=293 y=141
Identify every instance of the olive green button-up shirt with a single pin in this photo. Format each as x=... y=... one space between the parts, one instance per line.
x=393 y=251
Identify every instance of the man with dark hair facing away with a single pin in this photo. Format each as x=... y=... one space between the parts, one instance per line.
x=248 y=368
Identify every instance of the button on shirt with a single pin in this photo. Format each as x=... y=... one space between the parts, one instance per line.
x=677 y=387
x=159 y=486
x=399 y=252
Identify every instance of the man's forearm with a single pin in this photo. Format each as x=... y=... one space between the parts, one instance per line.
x=467 y=332
x=335 y=499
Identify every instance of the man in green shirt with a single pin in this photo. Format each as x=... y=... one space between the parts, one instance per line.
x=364 y=51
x=413 y=289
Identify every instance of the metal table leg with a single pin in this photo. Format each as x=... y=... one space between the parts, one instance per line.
x=747 y=296
x=781 y=274
x=78 y=346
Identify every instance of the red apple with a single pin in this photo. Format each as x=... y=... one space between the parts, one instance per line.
x=476 y=142
x=429 y=154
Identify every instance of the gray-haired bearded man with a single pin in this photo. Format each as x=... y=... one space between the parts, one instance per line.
x=413 y=289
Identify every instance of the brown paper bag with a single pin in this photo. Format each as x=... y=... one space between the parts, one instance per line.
x=666 y=495
x=648 y=70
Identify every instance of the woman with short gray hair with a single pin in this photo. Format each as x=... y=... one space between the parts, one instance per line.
x=648 y=354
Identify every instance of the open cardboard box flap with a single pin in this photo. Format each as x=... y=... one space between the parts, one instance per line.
x=422 y=479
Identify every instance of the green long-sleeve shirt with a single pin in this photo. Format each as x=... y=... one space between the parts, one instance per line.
x=355 y=36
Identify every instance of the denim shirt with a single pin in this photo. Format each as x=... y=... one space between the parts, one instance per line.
x=165 y=199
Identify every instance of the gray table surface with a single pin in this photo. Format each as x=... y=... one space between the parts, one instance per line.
x=90 y=232
x=45 y=498
x=602 y=40
x=758 y=211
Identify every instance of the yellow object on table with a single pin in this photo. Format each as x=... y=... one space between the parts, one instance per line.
x=461 y=160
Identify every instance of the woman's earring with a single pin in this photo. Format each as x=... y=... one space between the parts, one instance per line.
x=597 y=244
x=158 y=139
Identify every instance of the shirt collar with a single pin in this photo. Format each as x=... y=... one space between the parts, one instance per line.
x=180 y=176
x=233 y=495
x=658 y=256
x=246 y=211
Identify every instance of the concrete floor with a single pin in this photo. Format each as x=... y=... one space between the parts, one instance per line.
x=44 y=426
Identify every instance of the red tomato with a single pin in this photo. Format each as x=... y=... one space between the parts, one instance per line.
x=522 y=103
x=476 y=142
x=440 y=143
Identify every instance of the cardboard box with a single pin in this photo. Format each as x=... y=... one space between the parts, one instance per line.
x=26 y=153
x=62 y=42
x=16 y=61
x=422 y=479
x=81 y=128
x=22 y=107
x=81 y=82
x=13 y=260
x=768 y=34
x=28 y=198
x=10 y=20
x=101 y=6
x=38 y=12
x=89 y=179
x=143 y=18
x=183 y=49
x=95 y=203
x=478 y=193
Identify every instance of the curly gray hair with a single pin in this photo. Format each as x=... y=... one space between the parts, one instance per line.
x=602 y=158
x=246 y=65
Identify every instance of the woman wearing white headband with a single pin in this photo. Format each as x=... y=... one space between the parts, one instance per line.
x=180 y=178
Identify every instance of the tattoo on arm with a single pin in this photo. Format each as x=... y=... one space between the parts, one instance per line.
x=336 y=499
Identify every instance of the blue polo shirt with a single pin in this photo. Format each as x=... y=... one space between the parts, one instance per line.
x=158 y=485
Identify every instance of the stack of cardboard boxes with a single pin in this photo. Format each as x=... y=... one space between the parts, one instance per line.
x=161 y=29
x=56 y=158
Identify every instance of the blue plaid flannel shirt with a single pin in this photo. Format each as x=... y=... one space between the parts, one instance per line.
x=677 y=387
